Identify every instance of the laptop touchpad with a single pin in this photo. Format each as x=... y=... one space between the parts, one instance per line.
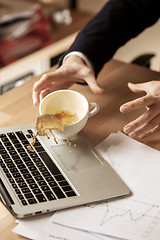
x=77 y=156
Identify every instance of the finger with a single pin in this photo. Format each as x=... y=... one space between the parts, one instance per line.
x=140 y=121
x=38 y=87
x=136 y=104
x=92 y=83
x=35 y=98
x=148 y=126
x=44 y=93
x=43 y=82
x=148 y=134
x=136 y=87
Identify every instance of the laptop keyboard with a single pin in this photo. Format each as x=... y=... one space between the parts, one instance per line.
x=33 y=175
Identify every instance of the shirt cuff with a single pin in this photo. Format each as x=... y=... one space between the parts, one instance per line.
x=81 y=55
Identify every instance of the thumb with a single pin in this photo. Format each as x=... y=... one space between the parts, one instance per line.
x=136 y=87
x=92 y=83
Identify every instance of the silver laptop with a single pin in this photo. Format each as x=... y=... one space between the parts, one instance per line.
x=54 y=176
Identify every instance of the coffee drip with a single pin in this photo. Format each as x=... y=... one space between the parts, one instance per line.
x=53 y=122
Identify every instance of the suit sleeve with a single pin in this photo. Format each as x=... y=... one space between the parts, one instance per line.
x=116 y=23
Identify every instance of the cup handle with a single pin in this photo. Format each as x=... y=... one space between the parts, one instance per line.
x=95 y=109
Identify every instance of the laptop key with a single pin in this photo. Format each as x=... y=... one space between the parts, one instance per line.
x=33 y=155
x=19 y=180
x=12 y=152
x=41 y=183
x=8 y=175
x=11 y=165
x=28 y=195
x=3 y=151
x=63 y=183
x=36 y=191
x=32 y=168
x=33 y=186
x=49 y=179
x=39 y=149
x=38 y=161
x=2 y=135
x=67 y=188
x=25 y=142
x=11 y=180
x=26 y=159
x=10 y=148
x=53 y=184
x=48 y=161
x=5 y=170
x=21 y=150
x=18 y=145
x=9 y=160
x=43 y=169
x=15 y=157
x=14 y=185
x=27 y=176
x=13 y=170
x=1 y=146
x=11 y=135
x=22 y=185
x=58 y=192
x=21 y=166
x=18 y=161
x=71 y=194
x=29 y=131
x=5 y=139
x=5 y=156
x=30 y=181
x=29 y=136
x=45 y=188
x=17 y=191
x=29 y=164
x=50 y=196
x=15 y=141
x=32 y=201
x=20 y=196
x=46 y=174
x=24 y=203
x=41 y=198
x=59 y=177
x=35 y=173
x=21 y=135
x=24 y=171
x=16 y=175
x=24 y=154
x=38 y=178
x=26 y=190
x=2 y=165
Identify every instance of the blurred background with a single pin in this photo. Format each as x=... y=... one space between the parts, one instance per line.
x=34 y=34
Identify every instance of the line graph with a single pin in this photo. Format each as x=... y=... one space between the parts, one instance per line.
x=135 y=213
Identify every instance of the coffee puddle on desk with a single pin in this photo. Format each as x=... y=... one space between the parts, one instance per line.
x=53 y=122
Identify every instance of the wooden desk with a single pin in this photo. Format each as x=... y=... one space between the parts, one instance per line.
x=16 y=108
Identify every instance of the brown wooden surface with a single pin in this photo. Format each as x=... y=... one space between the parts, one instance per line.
x=16 y=108
x=79 y=19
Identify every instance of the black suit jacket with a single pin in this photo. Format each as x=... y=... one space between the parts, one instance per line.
x=112 y=27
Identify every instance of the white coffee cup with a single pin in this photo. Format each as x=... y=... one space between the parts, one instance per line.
x=68 y=100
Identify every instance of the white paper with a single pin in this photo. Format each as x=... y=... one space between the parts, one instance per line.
x=136 y=217
x=59 y=232
x=31 y=227
x=39 y=228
